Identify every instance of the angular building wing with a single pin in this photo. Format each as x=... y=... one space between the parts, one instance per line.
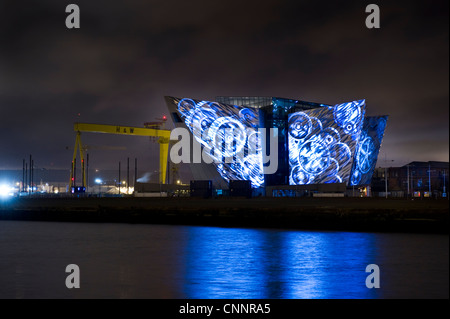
x=366 y=154
x=322 y=141
x=228 y=135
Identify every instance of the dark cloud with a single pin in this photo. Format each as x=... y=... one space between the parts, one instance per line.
x=128 y=55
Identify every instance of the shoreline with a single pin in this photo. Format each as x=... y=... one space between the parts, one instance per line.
x=335 y=214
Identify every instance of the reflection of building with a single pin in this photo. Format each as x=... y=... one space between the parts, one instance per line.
x=416 y=179
x=316 y=143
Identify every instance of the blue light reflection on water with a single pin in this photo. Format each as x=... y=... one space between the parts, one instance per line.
x=163 y=261
x=249 y=263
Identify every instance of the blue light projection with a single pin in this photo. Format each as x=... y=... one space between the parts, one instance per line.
x=321 y=143
x=325 y=144
x=366 y=154
x=229 y=136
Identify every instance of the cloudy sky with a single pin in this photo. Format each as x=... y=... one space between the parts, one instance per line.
x=127 y=55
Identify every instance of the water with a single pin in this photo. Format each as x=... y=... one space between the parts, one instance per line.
x=159 y=261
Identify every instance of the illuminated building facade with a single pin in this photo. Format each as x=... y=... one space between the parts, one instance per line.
x=316 y=143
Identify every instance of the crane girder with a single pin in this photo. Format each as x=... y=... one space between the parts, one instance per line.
x=123 y=130
x=163 y=140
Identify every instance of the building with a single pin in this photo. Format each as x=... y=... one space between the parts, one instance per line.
x=309 y=144
x=416 y=179
x=56 y=181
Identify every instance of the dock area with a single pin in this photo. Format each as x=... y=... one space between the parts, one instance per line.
x=344 y=214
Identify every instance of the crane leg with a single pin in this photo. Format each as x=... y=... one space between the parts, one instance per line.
x=78 y=145
x=74 y=157
x=163 y=154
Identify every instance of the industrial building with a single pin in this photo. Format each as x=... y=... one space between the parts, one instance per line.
x=413 y=180
x=317 y=148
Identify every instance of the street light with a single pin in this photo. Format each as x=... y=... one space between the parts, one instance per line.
x=429 y=180
x=385 y=174
x=407 y=180
x=444 y=194
x=98 y=181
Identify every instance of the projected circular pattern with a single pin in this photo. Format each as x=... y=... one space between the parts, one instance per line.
x=227 y=132
x=301 y=126
x=348 y=116
x=318 y=148
x=316 y=151
x=314 y=157
x=364 y=155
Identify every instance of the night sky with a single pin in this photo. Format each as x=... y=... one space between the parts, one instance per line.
x=127 y=55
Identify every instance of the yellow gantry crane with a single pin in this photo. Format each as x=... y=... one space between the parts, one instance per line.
x=162 y=135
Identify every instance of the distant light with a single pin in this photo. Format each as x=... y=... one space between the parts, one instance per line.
x=164 y=117
x=178 y=181
x=98 y=181
x=6 y=190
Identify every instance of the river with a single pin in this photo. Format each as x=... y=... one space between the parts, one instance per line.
x=170 y=262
